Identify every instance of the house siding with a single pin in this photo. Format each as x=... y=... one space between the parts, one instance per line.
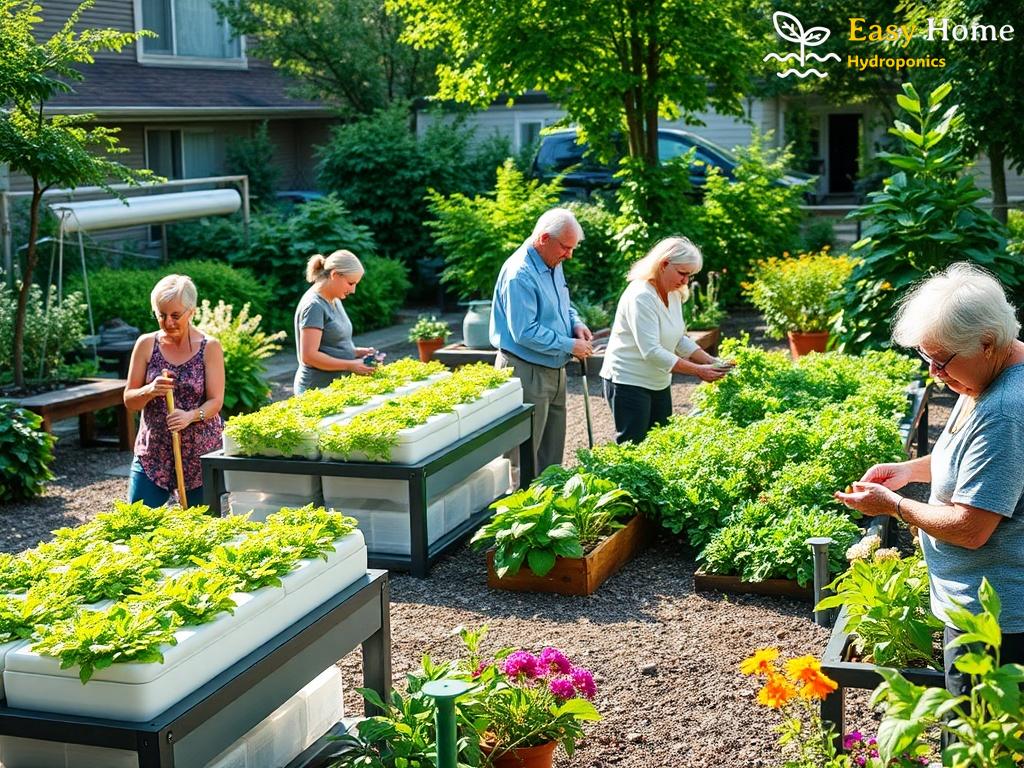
x=113 y=14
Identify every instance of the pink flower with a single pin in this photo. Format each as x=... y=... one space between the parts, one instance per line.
x=583 y=680
x=553 y=660
x=562 y=688
x=521 y=663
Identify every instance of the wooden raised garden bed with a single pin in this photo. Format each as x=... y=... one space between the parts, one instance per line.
x=835 y=662
x=578 y=576
x=715 y=582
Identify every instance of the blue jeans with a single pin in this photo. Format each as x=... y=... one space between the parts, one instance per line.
x=141 y=488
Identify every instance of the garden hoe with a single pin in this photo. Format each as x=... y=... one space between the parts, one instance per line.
x=179 y=471
x=586 y=402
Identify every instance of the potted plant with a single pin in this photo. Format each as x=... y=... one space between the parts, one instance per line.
x=797 y=296
x=430 y=334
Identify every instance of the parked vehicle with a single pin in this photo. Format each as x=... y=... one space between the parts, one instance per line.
x=560 y=153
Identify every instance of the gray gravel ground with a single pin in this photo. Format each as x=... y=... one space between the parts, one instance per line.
x=665 y=657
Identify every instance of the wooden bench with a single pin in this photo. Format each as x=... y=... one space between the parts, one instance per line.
x=83 y=401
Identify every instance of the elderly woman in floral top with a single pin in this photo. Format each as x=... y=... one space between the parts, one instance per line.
x=182 y=359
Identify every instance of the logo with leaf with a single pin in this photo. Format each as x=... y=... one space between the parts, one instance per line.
x=790 y=29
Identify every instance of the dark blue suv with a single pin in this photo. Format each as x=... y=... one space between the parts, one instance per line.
x=559 y=152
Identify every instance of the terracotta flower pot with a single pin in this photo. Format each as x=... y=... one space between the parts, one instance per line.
x=427 y=348
x=541 y=756
x=801 y=343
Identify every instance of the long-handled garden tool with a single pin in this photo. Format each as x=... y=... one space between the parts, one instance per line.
x=586 y=402
x=179 y=470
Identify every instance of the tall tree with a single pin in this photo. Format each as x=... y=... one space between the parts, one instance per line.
x=346 y=52
x=613 y=65
x=54 y=151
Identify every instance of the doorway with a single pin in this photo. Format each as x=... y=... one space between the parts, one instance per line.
x=843 y=152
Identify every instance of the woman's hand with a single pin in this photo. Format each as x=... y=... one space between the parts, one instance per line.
x=893 y=476
x=362 y=352
x=178 y=419
x=709 y=372
x=871 y=499
x=161 y=385
x=359 y=367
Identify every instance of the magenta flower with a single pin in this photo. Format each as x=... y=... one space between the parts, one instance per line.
x=852 y=739
x=521 y=663
x=553 y=660
x=583 y=680
x=562 y=688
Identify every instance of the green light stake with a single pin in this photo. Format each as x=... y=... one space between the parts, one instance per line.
x=444 y=693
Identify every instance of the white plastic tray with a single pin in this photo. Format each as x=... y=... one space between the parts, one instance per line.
x=387 y=527
x=277 y=740
x=307 y=486
x=458 y=504
x=493 y=410
x=308 y=448
x=414 y=443
x=324 y=701
x=261 y=505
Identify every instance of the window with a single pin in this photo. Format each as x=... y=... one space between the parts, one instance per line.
x=184 y=154
x=187 y=28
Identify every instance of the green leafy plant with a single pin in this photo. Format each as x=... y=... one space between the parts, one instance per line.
x=594 y=315
x=19 y=617
x=595 y=506
x=104 y=572
x=279 y=426
x=253 y=156
x=197 y=596
x=95 y=640
x=54 y=329
x=798 y=294
x=924 y=219
x=26 y=452
x=886 y=600
x=428 y=328
x=253 y=563
x=128 y=519
x=985 y=723
x=704 y=311
x=180 y=539
x=245 y=347
x=335 y=523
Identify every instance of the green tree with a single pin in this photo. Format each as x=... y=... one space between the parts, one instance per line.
x=254 y=157
x=613 y=66
x=346 y=52
x=53 y=150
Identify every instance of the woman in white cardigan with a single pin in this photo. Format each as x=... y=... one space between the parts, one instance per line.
x=648 y=342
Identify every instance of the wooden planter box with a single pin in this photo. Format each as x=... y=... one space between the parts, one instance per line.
x=713 y=582
x=857 y=674
x=578 y=576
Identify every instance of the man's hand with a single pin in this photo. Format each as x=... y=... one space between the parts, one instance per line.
x=582 y=348
x=580 y=331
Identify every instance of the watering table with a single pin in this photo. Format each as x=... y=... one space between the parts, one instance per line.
x=427 y=478
x=210 y=719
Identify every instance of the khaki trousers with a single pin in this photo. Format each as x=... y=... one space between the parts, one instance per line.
x=545 y=388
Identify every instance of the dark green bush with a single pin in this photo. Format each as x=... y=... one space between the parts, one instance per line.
x=49 y=336
x=125 y=293
x=25 y=454
x=382 y=171
x=597 y=270
x=254 y=157
x=380 y=294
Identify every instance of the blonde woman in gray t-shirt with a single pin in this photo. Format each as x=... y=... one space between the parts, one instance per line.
x=323 y=332
x=972 y=526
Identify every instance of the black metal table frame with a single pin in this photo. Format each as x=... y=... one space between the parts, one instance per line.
x=916 y=421
x=427 y=478
x=210 y=719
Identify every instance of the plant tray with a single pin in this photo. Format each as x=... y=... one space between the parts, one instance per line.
x=714 y=582
x=578 y=576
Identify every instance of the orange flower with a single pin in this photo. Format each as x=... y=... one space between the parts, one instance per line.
x=807 y=670
x=761 y=662
x=776 y=692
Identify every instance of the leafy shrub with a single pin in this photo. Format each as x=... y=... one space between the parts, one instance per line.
x=382 y=172
x=924 y=219
x=25 y=454
x=597 y=270
x=704 y=311
x=125 y=293
x=254 y=157
x=749 y=218
x=798 y=294
x=477 y=234
x=49 y=336
x=381 y=293
x=818 y=232
x=245 y=347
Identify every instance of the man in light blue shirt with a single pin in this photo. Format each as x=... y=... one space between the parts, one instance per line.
x=535 y=328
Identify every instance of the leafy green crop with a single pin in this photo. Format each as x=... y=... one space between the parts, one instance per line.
x=127 y=520
x=19 y=617
x=97 y=639
x=107 y=573
x=595 y=506
x=196 y=596
x=279 y=426
x=254 y=563
x=180 y=540
x=337 y=524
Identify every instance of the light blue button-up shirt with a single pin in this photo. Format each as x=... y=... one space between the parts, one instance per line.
x=531 y=316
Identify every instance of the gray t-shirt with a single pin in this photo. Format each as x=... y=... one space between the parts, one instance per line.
x=982 y=465
x=314 y=311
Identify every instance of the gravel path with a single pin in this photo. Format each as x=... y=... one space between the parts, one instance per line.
x=665 y=657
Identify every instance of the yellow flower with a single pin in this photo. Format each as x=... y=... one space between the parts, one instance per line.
x=761 y=662
x=776 y=692
x=807 y=670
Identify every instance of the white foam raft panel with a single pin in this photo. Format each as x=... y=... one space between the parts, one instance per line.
x=308 y=447
x=274 y=742
x=261 y=505
x=139 y=692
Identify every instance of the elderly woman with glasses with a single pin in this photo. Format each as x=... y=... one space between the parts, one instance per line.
x=648 y=341
x=972 y=526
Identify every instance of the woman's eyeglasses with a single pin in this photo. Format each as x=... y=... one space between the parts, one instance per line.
x=939 y=367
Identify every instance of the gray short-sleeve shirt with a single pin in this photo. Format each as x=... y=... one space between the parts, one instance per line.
x=982 y=465
x=314 y=311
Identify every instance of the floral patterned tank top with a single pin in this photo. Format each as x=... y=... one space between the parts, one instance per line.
x=153 y=444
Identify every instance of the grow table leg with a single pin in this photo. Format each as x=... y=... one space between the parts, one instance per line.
x=377 y=654
x=153 y=751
